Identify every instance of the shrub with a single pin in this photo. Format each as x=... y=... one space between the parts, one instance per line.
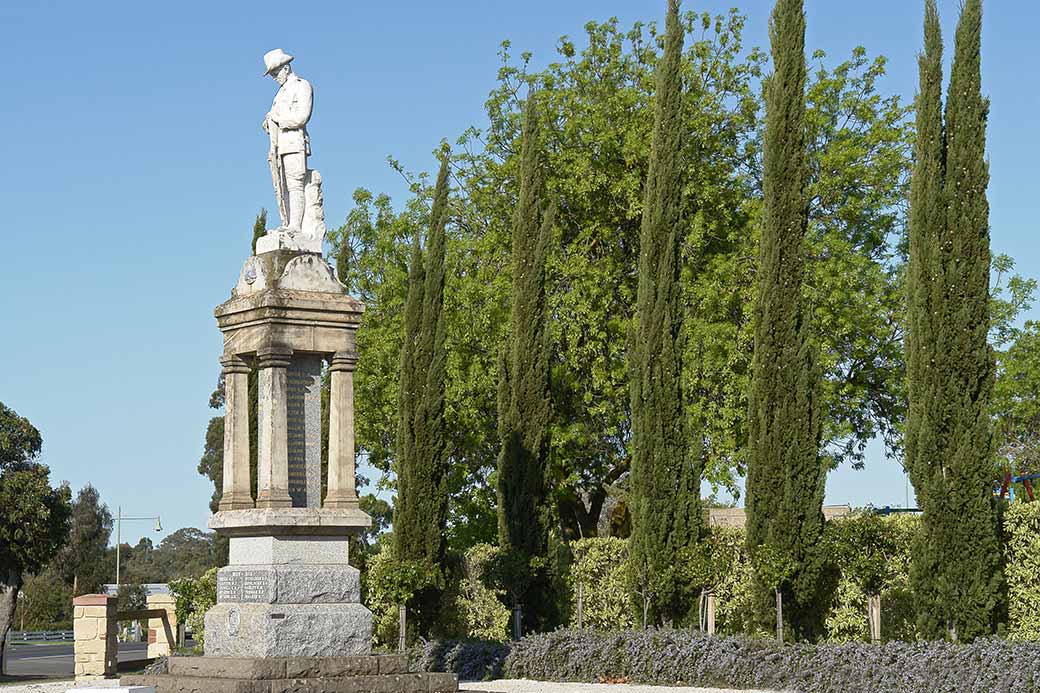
x=1022 y=527
x=599 y=566
x=194 y=597
x=671 y=657
x=872 y=555
x=382 y=599
x=484 y=616
x=472 y=660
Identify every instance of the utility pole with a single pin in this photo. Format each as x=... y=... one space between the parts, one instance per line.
x=119 y=537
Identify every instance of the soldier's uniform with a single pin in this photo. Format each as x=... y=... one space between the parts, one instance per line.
x=291 y=110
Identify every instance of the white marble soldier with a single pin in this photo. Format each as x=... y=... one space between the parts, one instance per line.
x=286 y=123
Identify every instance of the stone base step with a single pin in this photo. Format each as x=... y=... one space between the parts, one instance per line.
x=361 y=674
x=388 y=683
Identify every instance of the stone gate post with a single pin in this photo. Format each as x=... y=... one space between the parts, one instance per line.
x=94 y=629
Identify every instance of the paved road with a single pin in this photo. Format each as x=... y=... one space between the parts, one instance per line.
x=55 y=659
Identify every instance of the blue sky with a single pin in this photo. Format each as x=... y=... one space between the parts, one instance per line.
x=135 y=163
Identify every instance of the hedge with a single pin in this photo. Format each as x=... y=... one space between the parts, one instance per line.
x=1022 y=570
x=680 y=657
x=869 y=553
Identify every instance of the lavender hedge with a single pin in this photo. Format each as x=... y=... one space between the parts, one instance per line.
x=671 y=657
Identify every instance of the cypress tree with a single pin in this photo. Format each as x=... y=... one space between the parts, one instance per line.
x=259 y=227
x=664 y=500
x=786 y=476
x=420 y=514
x=924 y=289
x=523 y=388
x=956 y=570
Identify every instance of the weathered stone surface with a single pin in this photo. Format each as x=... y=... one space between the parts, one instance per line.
x=365 y=683
x=442 y=683
x=289 y=521
x=228 y=667
x=258 y=668
x=288 y=630
x=309 y=273
x=302 y=320
x=330 y=584
x=191 y=684
x=289 y=550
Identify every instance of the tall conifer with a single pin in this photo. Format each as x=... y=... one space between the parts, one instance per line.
x=956 y=569
x=259 y=227
x=924 y=293
x=786 y=476
x=523 y=390
x=420 y=513
x=664 y=500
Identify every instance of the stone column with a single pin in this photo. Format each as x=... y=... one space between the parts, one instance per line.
x=236 y=494
x=341 y=490
x=272 y=452
x=161 y=638
x=94 y=629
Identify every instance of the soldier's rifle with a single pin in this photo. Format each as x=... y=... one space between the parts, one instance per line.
x=275 y=161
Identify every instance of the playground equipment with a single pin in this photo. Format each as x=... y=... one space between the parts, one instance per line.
x=1006 y=488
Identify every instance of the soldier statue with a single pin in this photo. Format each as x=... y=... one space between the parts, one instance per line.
x=286 y=123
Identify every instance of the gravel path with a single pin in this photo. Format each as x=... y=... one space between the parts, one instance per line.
x=525 y=686
x=503 y=686
x=53 y=686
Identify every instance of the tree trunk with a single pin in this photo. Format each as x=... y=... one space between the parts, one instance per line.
x=779 y=617
x=581 y=605
x=874 y=616
x=402 y=629
x=518 y=631
x=10 y=583
x=711 y=612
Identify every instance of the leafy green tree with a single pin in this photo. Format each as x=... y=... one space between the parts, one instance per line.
x=956 y=569
x=45 y=603
x=524 y=404
x=35 y=518
x=211 y=465
x=598 y=105
x=786 y=476
x=131 y=597
x=666 y=472
x=81 y=562
x=1015 y=406
x=187 y=552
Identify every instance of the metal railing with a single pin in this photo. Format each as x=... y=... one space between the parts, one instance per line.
x=39 y=635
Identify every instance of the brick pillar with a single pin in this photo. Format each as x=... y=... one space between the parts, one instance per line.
x=94 y=627
x=162 y=636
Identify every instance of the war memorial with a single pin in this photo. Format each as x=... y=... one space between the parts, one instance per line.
x=288 y=615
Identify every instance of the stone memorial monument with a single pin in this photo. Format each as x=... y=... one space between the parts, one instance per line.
x=288 y=614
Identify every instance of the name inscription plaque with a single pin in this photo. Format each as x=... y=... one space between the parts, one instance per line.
x=303 y=429
x=242 y=586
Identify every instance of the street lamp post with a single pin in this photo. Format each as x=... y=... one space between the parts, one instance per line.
x=119 y=536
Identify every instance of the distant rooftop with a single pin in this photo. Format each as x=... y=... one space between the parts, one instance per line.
x=735 y=517
x=150 y=588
